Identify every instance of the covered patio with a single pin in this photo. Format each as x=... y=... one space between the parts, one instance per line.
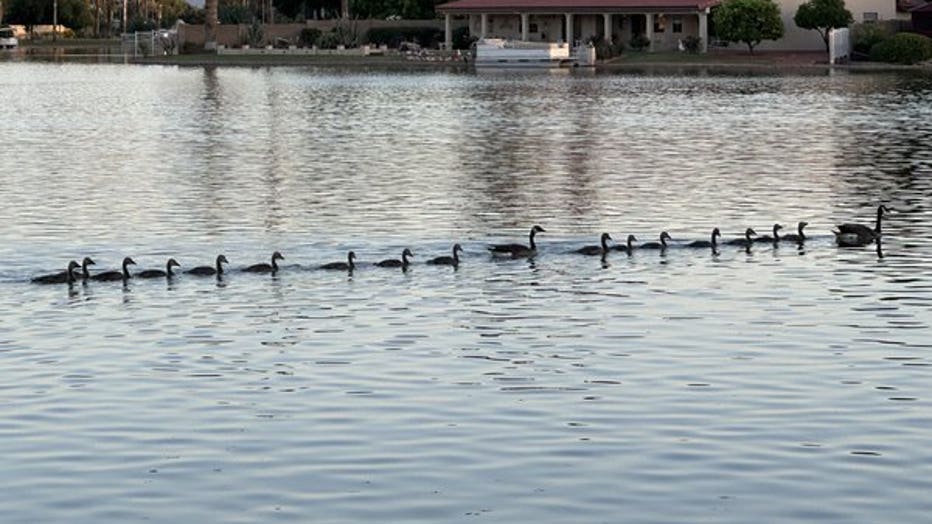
x=664 y=23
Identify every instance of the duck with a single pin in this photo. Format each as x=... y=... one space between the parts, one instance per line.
x=713 y=243
x=64 y=277
x=799 y=237
x=448 y=261
x=629 y=244
x=770 y=239
x=85 y=274
x=664 y=236
x=518 y=250
x=208 y=270
x=266 y=268
x=110 y=276
x=601 y=249
x=859 y=234
x=156 y=273
x=394 y=262
x=349 y=265
x=746 y=241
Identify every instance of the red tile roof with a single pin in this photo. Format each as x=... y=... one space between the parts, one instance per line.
x=571 y=6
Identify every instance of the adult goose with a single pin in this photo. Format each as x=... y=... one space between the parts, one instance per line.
x=349 y=265
x=859 y=234
x=518 y=250
x=85 y=274
x=63 y=277
x=448 y=261
x=713 y=243
x=266 y=268
x=664 y=236
x=799 y=237
x=628 y=246
x=394 y=262
x=208 y=270
x=114 y=275
x=601 y=249
x=745 y=241
x=770 y=239
x=156 y=273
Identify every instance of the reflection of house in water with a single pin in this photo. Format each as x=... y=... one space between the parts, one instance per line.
x=664 y=23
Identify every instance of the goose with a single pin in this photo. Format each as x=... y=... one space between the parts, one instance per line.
x=601 y=249
x=798 y=237
x=518 y=250
x=156 y=273
x=713 y=243
x=110 y=276
x=349 y=265
x=266 y=268
x=64 y=277
x=746 y=241
x=859 y=234
x=394 y=262
x=85 y=274
x=448 y=261
x=208 y=270
x=664 y=236
x=770 y=239
x=629 y=244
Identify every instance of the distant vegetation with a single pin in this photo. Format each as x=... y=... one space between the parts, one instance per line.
x=823 y=16
x=902 y=48
x=748 y=21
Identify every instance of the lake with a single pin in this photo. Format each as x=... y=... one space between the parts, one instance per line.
x=773 y=384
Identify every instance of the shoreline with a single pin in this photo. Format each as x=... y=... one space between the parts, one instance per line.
x=730 y=59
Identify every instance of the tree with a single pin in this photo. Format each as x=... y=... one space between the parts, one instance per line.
x=823 y=16
x=210 y=24
x=748 y=21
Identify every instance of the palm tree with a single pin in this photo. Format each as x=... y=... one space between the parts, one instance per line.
x=210 y=24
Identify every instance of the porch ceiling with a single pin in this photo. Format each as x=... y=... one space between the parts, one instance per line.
x=572 y=6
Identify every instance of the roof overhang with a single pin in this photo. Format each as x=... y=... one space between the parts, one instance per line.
x=573 y=6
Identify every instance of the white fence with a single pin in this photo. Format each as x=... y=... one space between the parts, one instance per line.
x=839 y=45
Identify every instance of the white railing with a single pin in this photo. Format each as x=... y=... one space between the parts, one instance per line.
x=839 y=45
x=149 y=43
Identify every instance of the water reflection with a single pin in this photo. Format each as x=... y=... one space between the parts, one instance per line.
x=720 y=372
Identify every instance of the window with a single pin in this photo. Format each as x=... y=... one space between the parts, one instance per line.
x=677 y=24
x=660 y=23
x=870 y=17
x=532 y=28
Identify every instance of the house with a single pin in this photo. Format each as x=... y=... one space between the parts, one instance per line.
x=663 y=22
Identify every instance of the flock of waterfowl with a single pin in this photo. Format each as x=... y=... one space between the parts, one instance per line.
x=847 y=235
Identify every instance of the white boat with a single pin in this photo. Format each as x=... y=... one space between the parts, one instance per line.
x=498 y=52
x=7 y=38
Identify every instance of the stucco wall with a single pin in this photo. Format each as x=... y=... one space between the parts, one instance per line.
x=798 y=39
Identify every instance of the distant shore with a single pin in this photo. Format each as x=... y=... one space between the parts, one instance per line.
x=733 y=58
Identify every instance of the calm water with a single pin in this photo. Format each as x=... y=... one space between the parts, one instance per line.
x=770 y=385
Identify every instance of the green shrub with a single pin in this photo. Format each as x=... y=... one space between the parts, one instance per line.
x=394 y=36
x=866 y=36
x=309 y=36
x=329 y=40
x=462 y=39
x=903 y=48
x=639 y=42
x=255 y=37
x=692 y=44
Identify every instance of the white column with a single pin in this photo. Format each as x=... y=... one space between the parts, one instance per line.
x=704 y=31
x=483 y=25
x=607 y=28
x=524 y=26
x=569 y=30
x=649 y=30
x=448 y=31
